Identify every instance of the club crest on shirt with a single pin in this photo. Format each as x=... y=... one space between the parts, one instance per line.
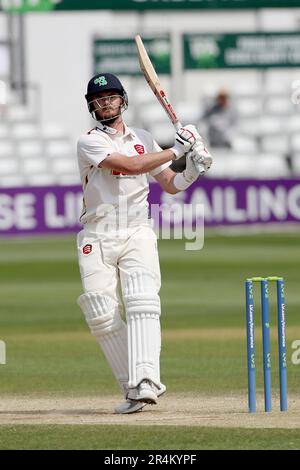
x=87 y=249
x=139 y=148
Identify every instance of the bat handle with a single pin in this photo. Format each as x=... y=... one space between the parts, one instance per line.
x=177 y=125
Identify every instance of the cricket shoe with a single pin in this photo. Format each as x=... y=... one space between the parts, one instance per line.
x=161 y=390
x=147 y=392
x=130 y=406
x=158 y=391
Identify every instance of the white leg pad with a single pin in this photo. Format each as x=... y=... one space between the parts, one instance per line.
x=103 y=317
x=142 y=305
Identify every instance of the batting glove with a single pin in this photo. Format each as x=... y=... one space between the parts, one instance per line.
x=198 y=161
x=184 y=139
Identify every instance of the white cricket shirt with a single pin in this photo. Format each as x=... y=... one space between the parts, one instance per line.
x=108 y=196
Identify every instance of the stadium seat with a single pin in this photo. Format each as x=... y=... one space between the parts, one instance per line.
x=189 y=112
x=240 y=166
x=245 y=88
x=12 y=181
x=242 y=144
x=40 y=179
x=7 y=148
x=30 y=148
x=58 y=148
x=24 y=131
x=209 y=90
x=221 y=163
x=248 y=106
x=270 y=125
x=64 y=165
x=275 y=86
x=52 y=131
x=278 y=105
x=71 y=179
x=295 y=143
x=34 y=166
x=293 y=123
x=8 y=166
x=248 y=126
x=270 y=165
x=275 y=143
x=143 y=96
x=153 y=114
x=4 y=131
x=231 y=166
x=19 y=113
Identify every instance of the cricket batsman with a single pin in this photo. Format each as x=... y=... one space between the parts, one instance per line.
x=117 y=248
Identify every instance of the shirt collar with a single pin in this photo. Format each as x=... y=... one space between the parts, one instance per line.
x=106 y=129
x=128 y=132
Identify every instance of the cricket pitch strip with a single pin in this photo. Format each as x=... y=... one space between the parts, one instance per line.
x=172 y=409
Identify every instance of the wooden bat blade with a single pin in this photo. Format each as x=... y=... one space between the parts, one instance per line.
x=146 y=64
x=153 y=81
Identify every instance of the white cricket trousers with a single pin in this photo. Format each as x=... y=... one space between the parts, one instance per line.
x=120 y=270
x=113 y=255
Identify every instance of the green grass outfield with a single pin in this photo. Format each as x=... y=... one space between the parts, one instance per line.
x=50 y=350
x=86 y=437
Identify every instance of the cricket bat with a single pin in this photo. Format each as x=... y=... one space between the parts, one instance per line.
x=154 y=83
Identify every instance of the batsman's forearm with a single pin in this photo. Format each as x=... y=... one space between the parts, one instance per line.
x=137 y=164
x=150 y=161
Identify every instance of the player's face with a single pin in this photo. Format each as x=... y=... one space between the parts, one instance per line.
x=107 y=104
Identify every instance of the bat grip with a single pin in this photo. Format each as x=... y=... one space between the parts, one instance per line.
x=177 y=125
